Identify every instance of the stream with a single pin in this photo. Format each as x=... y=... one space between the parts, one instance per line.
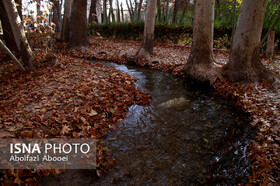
x=183 y=137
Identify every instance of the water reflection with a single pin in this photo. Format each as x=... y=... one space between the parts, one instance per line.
x=183 y=137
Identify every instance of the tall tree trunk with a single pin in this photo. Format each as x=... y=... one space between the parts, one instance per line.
x=184 y=12
x=78 y=24
x=57 y=15
x=146 y=49
x=175 y=12
x=111 y=11
x=244 y=61
x=92 y=14
x=104 y=11
x=7 y=29
x=19 y=33
x=122 y=13
x=19 y=8
x=158 y=11
x=5 y=48
x=118 y=12
x=132 y=12
x=148 y=36
x=66 y=19
x=139 y=10
x=129 y=10
x=167 y=11
x=271 y=28
x=270 y=45
x=200 y=62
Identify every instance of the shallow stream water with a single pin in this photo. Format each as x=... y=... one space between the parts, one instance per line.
x=183 y=137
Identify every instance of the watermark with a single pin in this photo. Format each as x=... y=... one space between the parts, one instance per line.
x=47 y=154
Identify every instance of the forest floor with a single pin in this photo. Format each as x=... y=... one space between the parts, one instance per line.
x=43 y=103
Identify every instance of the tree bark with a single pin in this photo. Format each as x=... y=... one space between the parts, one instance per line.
x=7 y=29
x=244 y=61
x=66 y=19
x=92 y=13
x=111 y=11
x=158 y=11
x=139 y=10
x=57 y=15
x=200 y=63
x=122 y=13
x=19 y=8
x=104 y=11
x=78 y=24
x=4 y=47
x=118 y=12
x=167 y=11
x=184 y=12
x=270 y=45
x=146 y=49
x=19 y=33
x=148 y=36
x=175 y=12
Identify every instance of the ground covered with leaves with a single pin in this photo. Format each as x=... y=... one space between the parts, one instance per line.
x=261 y=102
x=75 y=98
x=72 y=99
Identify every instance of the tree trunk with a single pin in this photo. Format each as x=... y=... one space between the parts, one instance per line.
x=148 y=36
x=19 y=33
x=167 y=11
x=66 y=19
x=19 y=8
x=122 y=13
x=139 y=10
x=118 y=12
x=158 y=11
x=146 y=49
x=200 y=63
x=92 y=14
x=7 y=29
x=175 y=12
x=111 y=11
x=184 y=12
x=104 y=11
x=271 y=28
x=244 y=62
x=57 y=15
x=5 y=48
x=78 y=24
x=270 y=45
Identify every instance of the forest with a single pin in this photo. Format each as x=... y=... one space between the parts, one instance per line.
x=162 y=92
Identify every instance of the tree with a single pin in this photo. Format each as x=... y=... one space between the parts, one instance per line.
x=78 y=24
x=57 y=15
x=244 y=61
x=66 y=19
x=200 y=64
x=19 y=33
x=92 y=15
x=175 y=11
x=146 y=49
x=149 y=27
x=104 y=11
x=7 y=29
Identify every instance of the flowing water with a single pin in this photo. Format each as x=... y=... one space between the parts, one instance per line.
x=183 y=137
